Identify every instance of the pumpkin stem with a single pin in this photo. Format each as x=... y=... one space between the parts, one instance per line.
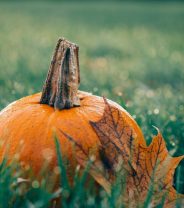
x=61 y=86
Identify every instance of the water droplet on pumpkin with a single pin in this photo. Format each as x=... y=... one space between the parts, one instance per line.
x=27 y=167
x=16 y=156
x=21 y=142
x=48 y=154
x=57 y=170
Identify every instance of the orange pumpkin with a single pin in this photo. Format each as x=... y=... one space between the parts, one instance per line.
x=27 y=126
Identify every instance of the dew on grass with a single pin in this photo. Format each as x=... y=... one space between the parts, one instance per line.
x=134 y=116
x=149 y=112
x=173 y=143
x=91 y=201
x=95 y=89
x=156 y=111
x=172 y=118
x=119 y=94
x=150 y=93
x=35 y=184
x=77 y=168
x=129 y=104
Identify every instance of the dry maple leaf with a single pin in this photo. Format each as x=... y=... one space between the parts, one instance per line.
x=84 y=157
x=123 y=152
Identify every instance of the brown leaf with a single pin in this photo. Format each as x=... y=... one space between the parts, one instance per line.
x=83 y=157
x=144 y=166
x=122 y=152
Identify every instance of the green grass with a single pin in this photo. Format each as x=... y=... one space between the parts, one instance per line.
x=132 y=53
x=17 y=192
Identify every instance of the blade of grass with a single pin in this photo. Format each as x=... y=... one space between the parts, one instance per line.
x=64 y=183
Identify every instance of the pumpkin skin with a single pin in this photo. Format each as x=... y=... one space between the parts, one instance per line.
x=27 y=128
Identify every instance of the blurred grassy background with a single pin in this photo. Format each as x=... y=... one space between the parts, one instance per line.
x=131 y=52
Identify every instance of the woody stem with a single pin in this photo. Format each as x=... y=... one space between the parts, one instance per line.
x=61 y=86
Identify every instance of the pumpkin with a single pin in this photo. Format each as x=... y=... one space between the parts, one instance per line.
x=27 y=126
x=86 y=125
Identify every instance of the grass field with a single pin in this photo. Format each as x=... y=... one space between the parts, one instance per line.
x=132 y=53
